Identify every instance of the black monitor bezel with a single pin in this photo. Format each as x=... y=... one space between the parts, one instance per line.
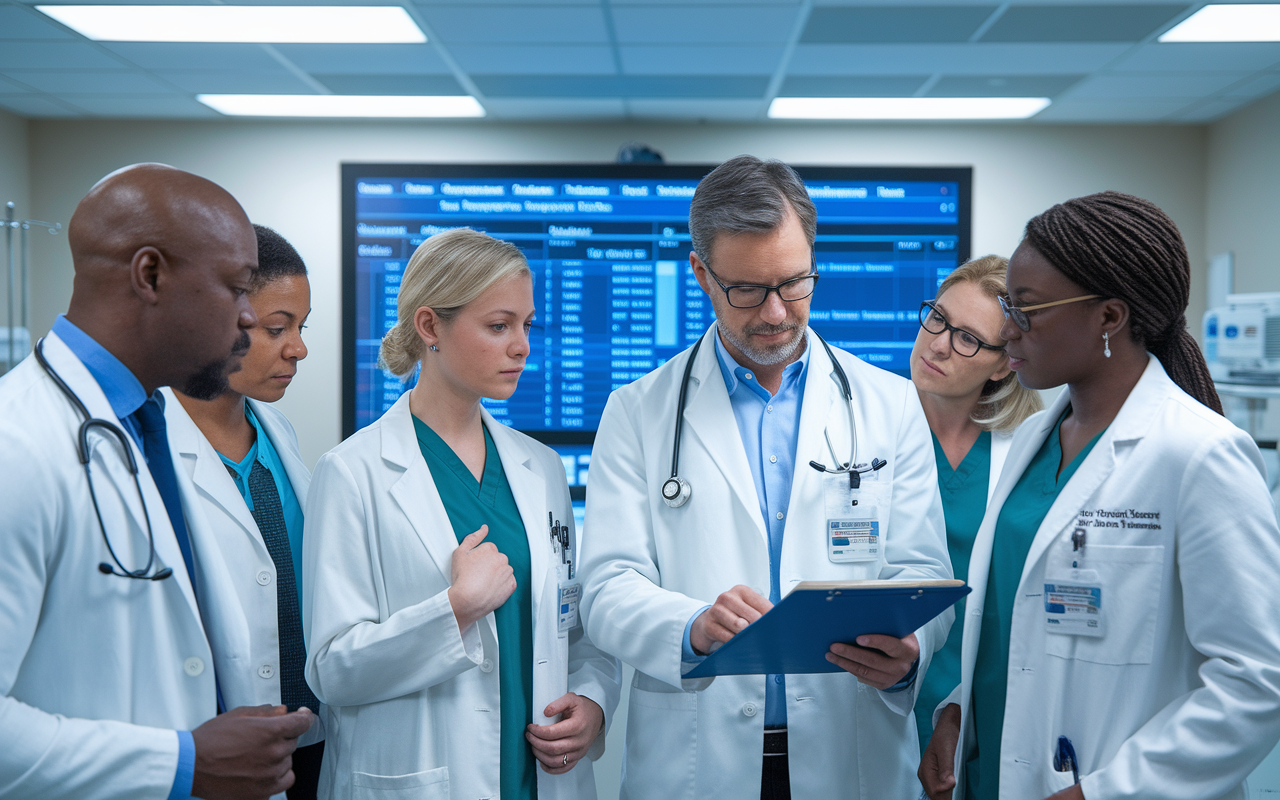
x=351 y=171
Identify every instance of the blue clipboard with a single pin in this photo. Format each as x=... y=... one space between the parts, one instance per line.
x=794 y=636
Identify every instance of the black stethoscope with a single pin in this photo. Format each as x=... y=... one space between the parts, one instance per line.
x=82 y=447
x=676 y=490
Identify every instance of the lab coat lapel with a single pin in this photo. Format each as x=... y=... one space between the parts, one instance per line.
x=1131 y=424
x=286 y=446
x=530 y=492
x=207 y=471
x=709 y=417
x=81 y=382
x=818 y=414
x=415 y=491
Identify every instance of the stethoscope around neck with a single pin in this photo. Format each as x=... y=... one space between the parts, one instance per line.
x=88 y=425
x=676 y=490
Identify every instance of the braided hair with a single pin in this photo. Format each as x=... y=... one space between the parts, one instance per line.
x=1121 y=246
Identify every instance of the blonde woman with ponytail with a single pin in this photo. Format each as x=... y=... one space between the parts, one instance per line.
x=440 y=603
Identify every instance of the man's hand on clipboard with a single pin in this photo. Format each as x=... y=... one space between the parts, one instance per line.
x=733 y=611
x=879 y=661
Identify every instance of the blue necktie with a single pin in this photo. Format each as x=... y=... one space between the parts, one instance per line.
x=269 y=515
x=155 y=448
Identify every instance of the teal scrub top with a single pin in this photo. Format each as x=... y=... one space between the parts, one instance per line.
x=1016 y=527
x=469 y=505
x=263 y=450
x=964 y=502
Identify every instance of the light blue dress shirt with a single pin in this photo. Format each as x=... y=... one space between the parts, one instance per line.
x=769 y=425
x=263 y=450
x=125 y=395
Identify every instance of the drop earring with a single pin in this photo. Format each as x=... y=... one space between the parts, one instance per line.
x=435 y=349
x=1106 y=345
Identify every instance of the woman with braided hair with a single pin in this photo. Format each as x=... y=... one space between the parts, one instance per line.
x=1123 y=636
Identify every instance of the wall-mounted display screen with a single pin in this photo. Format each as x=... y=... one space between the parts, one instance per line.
x=609 y=249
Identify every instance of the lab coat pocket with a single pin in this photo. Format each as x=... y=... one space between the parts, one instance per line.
x=1055 y=781
x=1131 y=585
x=432 y=784
x=662 y=729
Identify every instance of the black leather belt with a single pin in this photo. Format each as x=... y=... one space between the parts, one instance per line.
x=775 y=742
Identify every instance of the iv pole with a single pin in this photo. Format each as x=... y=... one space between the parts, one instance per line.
x=20 y=297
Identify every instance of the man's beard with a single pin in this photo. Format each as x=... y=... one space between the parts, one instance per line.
x=211 y=379
x=769 y=356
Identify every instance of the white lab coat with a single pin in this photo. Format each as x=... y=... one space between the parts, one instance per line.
x=1000 y=443
x=96 y=671
x=412 y=703
x=1180 y=698
x=235 y=575
x=649 y=568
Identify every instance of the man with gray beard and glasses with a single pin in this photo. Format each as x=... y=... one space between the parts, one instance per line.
x=675 y=562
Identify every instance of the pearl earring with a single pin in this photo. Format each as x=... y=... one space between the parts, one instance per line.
x=1106 y=345
x=435 y=349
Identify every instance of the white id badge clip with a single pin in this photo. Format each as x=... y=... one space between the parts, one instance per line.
x=570 y=593
x=1073 y=604
x=853 y=529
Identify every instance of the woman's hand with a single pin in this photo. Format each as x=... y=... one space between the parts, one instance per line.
x=560 y=746
x=480 y=578
x=938 y=764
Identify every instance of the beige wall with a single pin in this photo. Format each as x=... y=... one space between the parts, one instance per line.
x=1242 y=208
x=14 y=185
x=286 y=175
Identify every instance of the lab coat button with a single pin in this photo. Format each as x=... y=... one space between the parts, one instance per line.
x=486 y=666
x=193 y=666
x=266 y=671
x=749 y=710
x=264 y=578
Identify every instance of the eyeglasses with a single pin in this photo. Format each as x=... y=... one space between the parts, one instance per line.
x=1019 y=314
x=963 y=342
x=750 y=295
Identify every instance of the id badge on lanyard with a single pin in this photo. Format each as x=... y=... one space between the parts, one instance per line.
x=853 y=524
x=1073 y=603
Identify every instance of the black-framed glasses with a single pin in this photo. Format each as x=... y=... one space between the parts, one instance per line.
x=963 y=342
x=1019 y=313
x=750 y=295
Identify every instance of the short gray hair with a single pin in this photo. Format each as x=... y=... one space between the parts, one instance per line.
x=747 y=195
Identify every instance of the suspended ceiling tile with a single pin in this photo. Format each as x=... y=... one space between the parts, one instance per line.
x=104 y=82
x=373 y=59
x=1201 y=57
x=1153 y=86
x=657 y=86
x=1254 y=87
x=1210 y=110
x=717 y=110
x=851 y=85
x=509 y=59
x=208 y=81
x=39 y=107
x=952 y=59
x=893 y=24
x=669 y=3
x=1081 y=23
x=196 y=55
x=709 y=60
x=147 y=107
x=1103 y=111
x=1002 y=86
x=20 y=23
x=725 y=24
x=541 y=25
x=403 y=85
x=555 y=108
x=8 y=86
x=55 y=55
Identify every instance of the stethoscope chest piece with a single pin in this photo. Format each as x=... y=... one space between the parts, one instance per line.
x=676 y=492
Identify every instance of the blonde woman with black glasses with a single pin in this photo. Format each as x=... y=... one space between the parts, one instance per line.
x=439 y=598
x=973 y=403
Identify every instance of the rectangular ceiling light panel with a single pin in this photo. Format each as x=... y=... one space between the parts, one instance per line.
x=1235 y=22
x=906 y=108
x=265 y=24
x=342 y=105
